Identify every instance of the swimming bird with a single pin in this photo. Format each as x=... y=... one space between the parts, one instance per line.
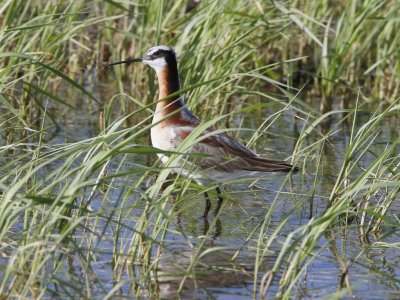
x=225 y=158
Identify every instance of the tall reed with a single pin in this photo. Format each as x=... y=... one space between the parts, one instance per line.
x=71 y=207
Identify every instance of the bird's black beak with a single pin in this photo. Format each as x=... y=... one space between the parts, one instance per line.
x=140 y=59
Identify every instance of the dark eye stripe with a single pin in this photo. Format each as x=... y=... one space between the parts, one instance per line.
x=156 y=53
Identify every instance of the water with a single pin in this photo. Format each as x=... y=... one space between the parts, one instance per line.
x=218 y=275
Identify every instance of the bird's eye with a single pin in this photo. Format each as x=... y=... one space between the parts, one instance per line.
x=156 y=53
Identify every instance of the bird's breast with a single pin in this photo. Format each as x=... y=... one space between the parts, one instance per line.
x=164 y=137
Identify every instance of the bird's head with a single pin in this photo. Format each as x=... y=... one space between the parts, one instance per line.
x=158 y=57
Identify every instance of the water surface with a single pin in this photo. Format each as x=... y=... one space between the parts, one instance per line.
x=217 y=275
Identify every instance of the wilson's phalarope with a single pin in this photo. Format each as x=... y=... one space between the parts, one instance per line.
x=225 y=158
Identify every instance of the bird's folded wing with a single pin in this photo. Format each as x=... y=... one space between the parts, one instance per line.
x=224 y=153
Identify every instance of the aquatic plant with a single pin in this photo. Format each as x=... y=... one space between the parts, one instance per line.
x=81 y=214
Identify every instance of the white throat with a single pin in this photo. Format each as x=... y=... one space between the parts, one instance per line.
x=157 y=64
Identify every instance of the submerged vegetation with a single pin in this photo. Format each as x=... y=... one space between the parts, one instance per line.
x=87 y=211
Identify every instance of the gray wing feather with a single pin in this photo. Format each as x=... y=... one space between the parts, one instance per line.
x=228 y=155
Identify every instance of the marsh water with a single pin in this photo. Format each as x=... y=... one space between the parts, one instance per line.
x=224 y=273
